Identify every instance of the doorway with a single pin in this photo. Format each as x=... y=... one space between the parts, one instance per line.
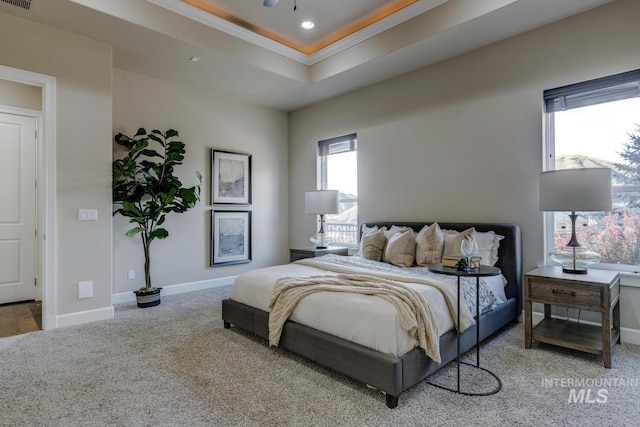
x=18 y=208
x=45 y=192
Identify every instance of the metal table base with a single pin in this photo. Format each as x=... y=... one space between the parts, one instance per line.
x=480 y=272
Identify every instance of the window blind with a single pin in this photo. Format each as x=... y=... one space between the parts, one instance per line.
x=606 y=89
x=337 y=145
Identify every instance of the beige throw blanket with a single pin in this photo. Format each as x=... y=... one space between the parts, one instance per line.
x=414 y=312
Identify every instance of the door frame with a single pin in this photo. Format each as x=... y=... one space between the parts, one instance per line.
x=46 y=268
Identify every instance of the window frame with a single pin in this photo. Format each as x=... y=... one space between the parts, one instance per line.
x=555 y=100
x=325 y=148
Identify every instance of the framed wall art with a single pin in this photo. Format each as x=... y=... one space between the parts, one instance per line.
x=231 y=237
x=230 y=177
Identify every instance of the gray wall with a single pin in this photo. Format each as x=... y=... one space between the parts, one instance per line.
x=82 y=68
x=94 y=101
x=204 y=122
x=20 y=95
x=462 y=140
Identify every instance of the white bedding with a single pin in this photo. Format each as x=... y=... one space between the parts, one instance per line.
x=366 y=320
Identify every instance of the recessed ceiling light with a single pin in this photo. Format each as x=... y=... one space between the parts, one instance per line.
x=194 y=59
x=307 y=25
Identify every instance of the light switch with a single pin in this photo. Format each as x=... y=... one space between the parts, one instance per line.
x=88 y=214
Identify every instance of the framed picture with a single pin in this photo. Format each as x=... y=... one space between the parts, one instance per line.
x=230 y=177
x=231 y=237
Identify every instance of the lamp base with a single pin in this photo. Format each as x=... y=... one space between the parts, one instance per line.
x=580 y=270
x=320 y=240
x=574 y=260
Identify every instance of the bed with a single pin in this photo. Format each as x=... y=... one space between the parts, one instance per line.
x=391 y=372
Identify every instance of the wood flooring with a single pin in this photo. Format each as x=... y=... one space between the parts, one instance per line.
x=20 y=318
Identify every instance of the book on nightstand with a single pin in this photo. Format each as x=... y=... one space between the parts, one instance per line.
x=450 y=260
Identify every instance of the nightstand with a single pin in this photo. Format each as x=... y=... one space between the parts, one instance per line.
x=598 y=290
x=311 y=252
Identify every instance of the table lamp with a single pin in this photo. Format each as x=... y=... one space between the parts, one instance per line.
x=575 y=190
x=321 y=202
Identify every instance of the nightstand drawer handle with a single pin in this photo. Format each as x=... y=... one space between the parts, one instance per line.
x=560 y=292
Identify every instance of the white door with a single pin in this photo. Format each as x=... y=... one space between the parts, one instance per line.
x=17 y=208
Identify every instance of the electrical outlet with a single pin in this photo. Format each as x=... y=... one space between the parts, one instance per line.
x=131 y=275
x=85 y=289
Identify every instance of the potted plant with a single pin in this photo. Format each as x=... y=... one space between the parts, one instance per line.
x=145 y=190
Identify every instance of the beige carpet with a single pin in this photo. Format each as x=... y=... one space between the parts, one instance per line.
x=174 y=365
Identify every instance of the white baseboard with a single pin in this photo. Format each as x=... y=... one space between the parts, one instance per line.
x=106 y=313
x=628 y=335
x=81 y=317
x=180 y=288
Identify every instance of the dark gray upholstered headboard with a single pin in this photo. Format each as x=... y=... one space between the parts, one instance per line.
x=509 y=253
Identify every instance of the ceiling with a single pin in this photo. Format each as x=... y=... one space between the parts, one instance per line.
x=260 y=55
x=336 y=20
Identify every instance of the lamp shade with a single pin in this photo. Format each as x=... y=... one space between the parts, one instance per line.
x=577 y=190
x=321 y=202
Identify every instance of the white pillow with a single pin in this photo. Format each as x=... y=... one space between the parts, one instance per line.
x=488 y=244
x=393 y=230
x=429 y=245
x=401 y=248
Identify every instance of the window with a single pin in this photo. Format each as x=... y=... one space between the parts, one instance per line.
x=338 y=170
x=597 y=124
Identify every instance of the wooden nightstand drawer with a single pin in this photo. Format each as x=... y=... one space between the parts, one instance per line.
x=569 y=293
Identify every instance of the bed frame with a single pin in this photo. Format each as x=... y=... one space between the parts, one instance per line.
x=387 y=373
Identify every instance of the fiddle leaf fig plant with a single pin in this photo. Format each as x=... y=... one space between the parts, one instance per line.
x=145 y=188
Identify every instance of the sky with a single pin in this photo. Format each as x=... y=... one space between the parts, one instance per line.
x=599 y=130
x=343 y=173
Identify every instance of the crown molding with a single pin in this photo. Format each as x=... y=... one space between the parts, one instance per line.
x=232 y=29
x=374 y=29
